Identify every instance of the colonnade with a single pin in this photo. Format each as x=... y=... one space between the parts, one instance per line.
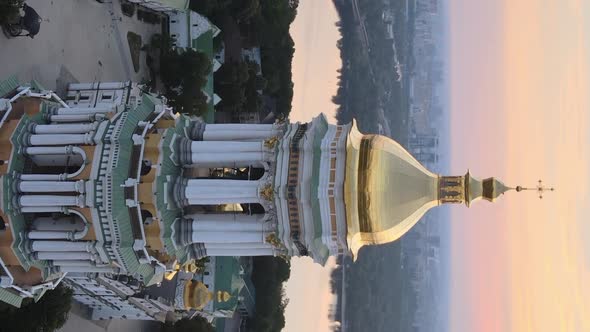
x=59 y=239
x=229 y=234
x=69 y=256
x=226 y=146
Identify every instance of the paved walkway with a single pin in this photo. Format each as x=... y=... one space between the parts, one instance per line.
x=79 y=40
x=77 y=324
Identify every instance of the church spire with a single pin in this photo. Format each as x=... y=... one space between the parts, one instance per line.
x=467 y=189
x=540 y=189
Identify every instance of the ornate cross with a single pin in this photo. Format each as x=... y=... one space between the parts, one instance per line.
x=540 y=188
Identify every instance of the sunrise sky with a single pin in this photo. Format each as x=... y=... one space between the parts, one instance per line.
x=519 y=72
x=519 y=110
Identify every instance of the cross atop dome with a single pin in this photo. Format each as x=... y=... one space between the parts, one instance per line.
x=540 y=189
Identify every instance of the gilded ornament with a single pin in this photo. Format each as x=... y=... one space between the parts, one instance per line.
x=267 y=192
x=270 y=143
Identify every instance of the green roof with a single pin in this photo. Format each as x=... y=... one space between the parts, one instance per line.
x=228 y=279
x=8 y=85
x=121 y=213
x=10 y=297
x=177 y=4
x=168 y=170
x=204 y=43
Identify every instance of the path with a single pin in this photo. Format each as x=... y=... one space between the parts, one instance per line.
x=79 y=40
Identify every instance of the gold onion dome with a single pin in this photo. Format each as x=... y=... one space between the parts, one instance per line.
x=196 y=295
x=387 y=190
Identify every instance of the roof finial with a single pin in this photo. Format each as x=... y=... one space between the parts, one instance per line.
x=540 y=189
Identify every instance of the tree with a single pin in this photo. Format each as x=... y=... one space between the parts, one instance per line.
x=238 y=85
x=197 y=324
x=9 y=10
x=48 y=314
x=268 y=277
x=184 y=75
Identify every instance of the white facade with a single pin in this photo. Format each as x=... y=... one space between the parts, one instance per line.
x=102 y=95
x=188 y=26
x=110 y=299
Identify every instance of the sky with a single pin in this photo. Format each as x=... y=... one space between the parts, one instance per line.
x=315 y=64
x=519 y=73
x=519 y=110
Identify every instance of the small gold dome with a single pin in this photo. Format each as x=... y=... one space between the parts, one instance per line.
x=196 y=295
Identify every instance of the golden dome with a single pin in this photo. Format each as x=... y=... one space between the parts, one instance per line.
x=387 y=190
x=196 y=295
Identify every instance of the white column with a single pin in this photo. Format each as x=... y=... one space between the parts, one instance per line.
x=64 y=139
x=227 y=237
x=223 y=183
x=216 y=147
x=240 y=252
x=239 y=127
x=49 y=235
x=72 y=263
x=252 y=245
x=64 y=128
x=41 y=209
x=226 y=222
x=66 y=118
x=82 y=110
x=51 y=200
x=60 y=246
x=235 y=159
x=43 y=177
x=231 y=135
x=71 y=255
x=54 y=150
x=51 y=186
x=211 y=191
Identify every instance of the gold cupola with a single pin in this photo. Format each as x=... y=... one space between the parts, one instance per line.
x=387 y=191
x=196 y=295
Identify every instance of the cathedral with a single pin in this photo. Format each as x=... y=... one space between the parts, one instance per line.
x=111 y=181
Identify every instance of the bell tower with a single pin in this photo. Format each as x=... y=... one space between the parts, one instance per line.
x=451 y=189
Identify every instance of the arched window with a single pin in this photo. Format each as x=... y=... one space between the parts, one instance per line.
x=146 y=167
x=147 y=217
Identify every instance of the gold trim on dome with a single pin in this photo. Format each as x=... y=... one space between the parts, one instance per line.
x=360 y=239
